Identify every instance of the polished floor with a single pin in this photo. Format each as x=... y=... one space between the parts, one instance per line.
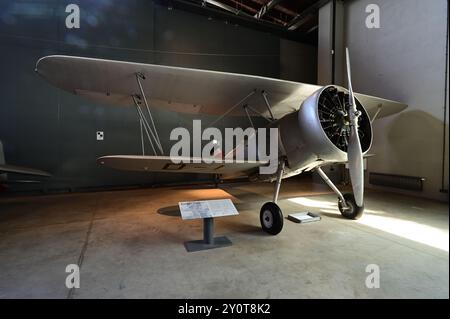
x=129 y=244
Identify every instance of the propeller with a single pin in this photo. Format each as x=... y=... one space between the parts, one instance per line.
x=354 y=151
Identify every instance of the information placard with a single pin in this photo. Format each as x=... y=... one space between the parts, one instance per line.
x=207 y=208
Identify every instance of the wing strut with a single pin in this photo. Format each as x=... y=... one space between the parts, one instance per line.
x=269 y=108
x=149 y=130
x=141 y=124
x=380 y=106
x=144 y=124
x=248 y=115
x=248 y=107
x=264 y=95
x=245 y=98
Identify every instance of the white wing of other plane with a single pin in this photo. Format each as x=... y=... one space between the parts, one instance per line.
x=4 y=168
x=184 y=90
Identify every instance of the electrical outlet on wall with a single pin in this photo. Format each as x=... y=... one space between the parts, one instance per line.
x=100 y=136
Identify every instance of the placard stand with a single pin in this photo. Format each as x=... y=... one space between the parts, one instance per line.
x=208 y=241
x=207 y=210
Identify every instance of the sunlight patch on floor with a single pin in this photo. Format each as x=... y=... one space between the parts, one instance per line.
x=417 y=232
x=377 y=219
x=314 y=203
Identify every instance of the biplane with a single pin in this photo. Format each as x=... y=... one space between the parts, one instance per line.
x=317 y=125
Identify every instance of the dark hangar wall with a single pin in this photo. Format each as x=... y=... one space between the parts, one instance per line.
x=46 y=128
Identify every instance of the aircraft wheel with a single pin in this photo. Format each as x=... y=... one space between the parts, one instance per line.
x=271 y=218
x=353 y=211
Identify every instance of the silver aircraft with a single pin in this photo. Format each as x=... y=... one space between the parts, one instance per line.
x=317 y=125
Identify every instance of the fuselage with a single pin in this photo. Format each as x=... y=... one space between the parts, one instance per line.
x=317 y=134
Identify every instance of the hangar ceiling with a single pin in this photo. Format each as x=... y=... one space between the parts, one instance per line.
x=293 y=19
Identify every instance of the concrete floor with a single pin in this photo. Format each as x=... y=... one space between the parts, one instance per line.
x=130 y=245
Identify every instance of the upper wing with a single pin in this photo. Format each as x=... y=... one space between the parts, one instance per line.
x=373 y=103
x=186 y=165
x=182 y=89
x=22 y=170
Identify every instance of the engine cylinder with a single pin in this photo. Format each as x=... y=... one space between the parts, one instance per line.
x=319 y=131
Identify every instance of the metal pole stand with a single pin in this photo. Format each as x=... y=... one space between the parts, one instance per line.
x=208 y=241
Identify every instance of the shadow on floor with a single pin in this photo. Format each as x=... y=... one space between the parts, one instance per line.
x=171 y=211
x=331 y=215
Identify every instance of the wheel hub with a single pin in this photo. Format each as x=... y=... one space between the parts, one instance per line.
x=267 y=219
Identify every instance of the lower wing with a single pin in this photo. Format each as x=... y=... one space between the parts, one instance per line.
x=184 y=164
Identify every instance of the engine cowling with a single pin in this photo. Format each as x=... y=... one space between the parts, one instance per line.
x=319 y=130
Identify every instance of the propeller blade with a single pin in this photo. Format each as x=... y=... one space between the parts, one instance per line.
x=356 y=166
x=354 y=151
x=350 y=86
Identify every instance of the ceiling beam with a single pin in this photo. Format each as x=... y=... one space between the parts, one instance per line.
x=314 y=28
x=300 y=18
x=253 y=10
x=266 y=8
x=279 y=8
x=241 y=18
x=224 y=7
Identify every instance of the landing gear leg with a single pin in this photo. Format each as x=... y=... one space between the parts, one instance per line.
x=346 y=202
x=270 y=216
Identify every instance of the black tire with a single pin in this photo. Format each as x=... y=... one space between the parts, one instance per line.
x=271 y=218
x=353 y=211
